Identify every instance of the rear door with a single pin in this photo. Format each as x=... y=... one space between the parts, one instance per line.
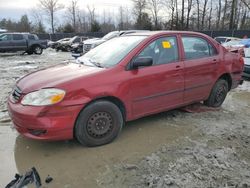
x=201 y=62
x=19 y=42
x=160 y=86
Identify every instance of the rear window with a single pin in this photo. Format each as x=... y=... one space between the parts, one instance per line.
x=195 y=47
x=17 y=37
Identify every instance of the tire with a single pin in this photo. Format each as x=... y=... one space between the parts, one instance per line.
x=68 y=49
x=37 y=50
x=98 y=124
x=218 y=94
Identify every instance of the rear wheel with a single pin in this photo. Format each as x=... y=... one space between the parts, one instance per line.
x=218 y=94
x=98 y=124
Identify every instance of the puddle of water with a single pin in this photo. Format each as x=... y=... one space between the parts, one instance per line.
x=74 y=165
x=7 y=156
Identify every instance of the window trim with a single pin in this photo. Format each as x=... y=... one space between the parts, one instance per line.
x=201 y=37
x=148 y=43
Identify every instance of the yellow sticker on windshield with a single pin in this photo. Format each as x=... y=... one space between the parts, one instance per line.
x=166 y=44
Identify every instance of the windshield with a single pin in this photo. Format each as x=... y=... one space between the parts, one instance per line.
x=110 y=35
x=111 y=52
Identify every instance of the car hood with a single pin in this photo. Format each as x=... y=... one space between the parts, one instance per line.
x=55 y=76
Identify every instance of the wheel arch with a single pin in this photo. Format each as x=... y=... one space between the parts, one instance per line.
x=115 y=100
x=228 y=78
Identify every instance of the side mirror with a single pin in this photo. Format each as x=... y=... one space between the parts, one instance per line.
x=141 y=62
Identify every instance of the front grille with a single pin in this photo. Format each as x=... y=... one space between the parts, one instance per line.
x=87 y=47
x=16 y=94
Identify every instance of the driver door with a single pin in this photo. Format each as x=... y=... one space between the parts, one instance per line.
x=160 y=86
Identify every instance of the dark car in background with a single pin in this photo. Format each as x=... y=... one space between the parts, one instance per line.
x=54 y=44
x=66 y=45
x=29 y=43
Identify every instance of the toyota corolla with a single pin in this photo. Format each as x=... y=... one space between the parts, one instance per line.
x=123 y=79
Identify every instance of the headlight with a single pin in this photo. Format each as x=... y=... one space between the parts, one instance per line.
x=43 y=97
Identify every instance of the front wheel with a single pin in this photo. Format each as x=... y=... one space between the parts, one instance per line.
x=38 y=50
x=98 y=124
x=218 y=94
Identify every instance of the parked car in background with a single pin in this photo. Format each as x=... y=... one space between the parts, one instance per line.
x=123 y=79
x=222 y=40
x=53 y=44
x=66 y=46
x=234 y=45
x=92 y=43
x=246 y=71
x=241 y=47
x=29 y=43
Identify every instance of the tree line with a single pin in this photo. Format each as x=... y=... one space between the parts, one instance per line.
x=145 y=14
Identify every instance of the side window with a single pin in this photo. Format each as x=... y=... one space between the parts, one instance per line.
x=77 y=40
x=5 y=37
x=212 y=50
x=162 y=51
x=31 y=37
x=195 y=47
x=17 y=37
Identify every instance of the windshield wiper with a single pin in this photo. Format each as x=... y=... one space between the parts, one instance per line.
x=89 y=61
x=96 y=64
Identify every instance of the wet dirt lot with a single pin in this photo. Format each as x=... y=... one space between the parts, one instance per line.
x=171 y=149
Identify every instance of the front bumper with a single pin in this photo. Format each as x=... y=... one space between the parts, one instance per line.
x=44 y=123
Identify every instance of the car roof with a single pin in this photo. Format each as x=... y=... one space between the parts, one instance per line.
x=151 y=33
x=227 y=37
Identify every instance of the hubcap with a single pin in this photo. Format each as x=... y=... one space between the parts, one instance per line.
x=38 y=50
x=100 y=124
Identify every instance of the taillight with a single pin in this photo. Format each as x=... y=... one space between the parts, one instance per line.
x=242 y=61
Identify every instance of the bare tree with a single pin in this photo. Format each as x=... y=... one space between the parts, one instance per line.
x=224 y=13
x=121 y=18
x=51 y=7
x=232 y=15
x=73 y=9
x=218 y=15
x=210 y=14
x=204 y=10
x=198 y=14
x=92 y=14
x=182 y=13
x=155 y=6
x=189 y=8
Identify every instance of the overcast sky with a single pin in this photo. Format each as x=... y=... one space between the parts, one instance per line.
x=15 y=8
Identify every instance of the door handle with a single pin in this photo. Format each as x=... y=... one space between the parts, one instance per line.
x=214 y=61
x=178 y=67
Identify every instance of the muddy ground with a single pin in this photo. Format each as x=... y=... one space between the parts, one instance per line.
x=170 y=149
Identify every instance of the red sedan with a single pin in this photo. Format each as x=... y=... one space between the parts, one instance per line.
x=121 y=80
